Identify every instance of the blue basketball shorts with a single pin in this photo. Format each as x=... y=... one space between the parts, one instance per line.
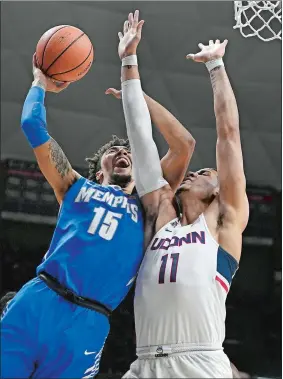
x=45 y=336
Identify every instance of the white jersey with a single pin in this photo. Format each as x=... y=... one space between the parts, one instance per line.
x=181 y=289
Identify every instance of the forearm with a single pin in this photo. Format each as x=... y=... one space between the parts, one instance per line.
x=146 y=162
x=33 y=120
x=225 y=105
x=50 y=157
x=177 y=137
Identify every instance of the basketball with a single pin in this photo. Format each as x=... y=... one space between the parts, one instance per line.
x=64 y=53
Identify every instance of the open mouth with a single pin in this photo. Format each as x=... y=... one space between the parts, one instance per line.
x=122 y=162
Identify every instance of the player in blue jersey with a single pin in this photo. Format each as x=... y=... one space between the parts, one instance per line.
x=56 y=325
x=4 y=301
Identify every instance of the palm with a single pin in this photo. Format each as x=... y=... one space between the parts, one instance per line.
x=131 y=35
x=50 y=84
x=208 y=53
x=129 y=41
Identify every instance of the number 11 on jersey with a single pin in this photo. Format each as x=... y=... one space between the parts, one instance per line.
x=174 y=267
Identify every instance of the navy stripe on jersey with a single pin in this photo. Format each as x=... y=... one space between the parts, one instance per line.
x=226 y=264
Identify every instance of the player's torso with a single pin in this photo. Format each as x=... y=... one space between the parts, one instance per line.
x=97 y=245
x=182 y=287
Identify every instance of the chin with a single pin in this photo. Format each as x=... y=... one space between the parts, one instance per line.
x=185 y=187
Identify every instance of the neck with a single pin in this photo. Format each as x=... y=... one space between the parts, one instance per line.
x=127 y=188
x=192 y=208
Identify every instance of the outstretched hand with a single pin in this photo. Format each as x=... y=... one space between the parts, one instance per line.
x=131 y=35
x=116 y=93
x=49 y=84
x=215 y=50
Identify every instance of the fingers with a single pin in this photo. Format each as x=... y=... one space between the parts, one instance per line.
x=211 y=43
x=110 y=91
x=131 y=18
x=224 y=43
x=132 y=22
x=126 y=27
x=136 y=17
x=120 y=35
x=217 y=42
x=35 y=67
x=60 y=85
x=139 y=26
x=34 y=60
x=65 y=85
x=114 y=92
x=190 y=56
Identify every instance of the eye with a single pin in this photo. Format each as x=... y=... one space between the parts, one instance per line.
x=204 y=173
x=111 y=151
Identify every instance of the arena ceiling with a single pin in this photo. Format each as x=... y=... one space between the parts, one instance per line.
x=82 y=117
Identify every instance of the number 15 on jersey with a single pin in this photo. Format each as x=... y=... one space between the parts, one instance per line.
x=110 y=222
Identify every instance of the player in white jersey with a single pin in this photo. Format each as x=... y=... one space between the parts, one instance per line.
x=190 y=262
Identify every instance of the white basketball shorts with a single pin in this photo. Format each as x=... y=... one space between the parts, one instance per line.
x=192 y=364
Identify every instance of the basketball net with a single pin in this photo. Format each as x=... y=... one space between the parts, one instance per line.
x=259 y=18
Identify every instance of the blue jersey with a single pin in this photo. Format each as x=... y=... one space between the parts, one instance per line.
x=97 y=245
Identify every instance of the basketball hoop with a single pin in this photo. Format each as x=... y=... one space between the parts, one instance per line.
x=259 y=18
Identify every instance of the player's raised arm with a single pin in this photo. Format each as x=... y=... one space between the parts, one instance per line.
x=232 y=191
x=181 y=143
x=146 y=164
x=51 y=159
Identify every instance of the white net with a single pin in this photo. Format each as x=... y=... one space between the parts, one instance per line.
x=259 y=18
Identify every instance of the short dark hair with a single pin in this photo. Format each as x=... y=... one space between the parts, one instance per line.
x=94 y=162
x=5 y=300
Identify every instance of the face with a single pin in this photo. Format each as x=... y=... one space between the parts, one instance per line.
x=203 y=183
x=116 y=166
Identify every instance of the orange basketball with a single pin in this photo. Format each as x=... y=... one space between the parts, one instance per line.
x=64 y=53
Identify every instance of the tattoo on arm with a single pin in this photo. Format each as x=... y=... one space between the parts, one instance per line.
x=59 y=159
x=213 y=78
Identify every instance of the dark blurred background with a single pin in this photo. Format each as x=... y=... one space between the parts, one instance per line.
x=82 y=118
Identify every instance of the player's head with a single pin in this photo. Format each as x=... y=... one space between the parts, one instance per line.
x=202 y=185
x=5 y=300
x=112 y=164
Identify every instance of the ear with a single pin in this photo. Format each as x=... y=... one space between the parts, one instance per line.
x=99 y=176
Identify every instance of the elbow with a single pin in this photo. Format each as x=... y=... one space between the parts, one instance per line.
x=191 y=142
x=187 y=140
x=30 y=124
x=188 y=144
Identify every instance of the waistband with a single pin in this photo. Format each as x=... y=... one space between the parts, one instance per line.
x=158 y=351
x=72 y=297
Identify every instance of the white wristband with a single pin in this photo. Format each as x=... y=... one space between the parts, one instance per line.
x=210 y=65
x=130 y=60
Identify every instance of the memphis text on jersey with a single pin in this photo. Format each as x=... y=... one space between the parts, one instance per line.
x=87 y=193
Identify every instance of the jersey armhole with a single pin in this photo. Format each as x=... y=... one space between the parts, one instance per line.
x=79 y=182
x=230 y=256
